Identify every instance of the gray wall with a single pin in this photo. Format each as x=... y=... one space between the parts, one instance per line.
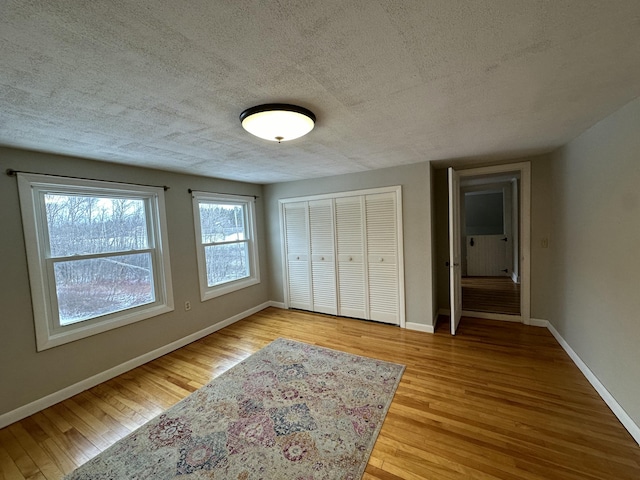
x=26 y=375
x=540 y=221
x=416 y=196
x=595 y=265
x=484 y=213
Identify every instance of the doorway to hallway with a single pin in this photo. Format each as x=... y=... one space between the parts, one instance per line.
x=506 y=295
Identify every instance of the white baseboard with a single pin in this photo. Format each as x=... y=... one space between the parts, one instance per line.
x=419 y=327
x=68 y=392
x=615 y=407
x=537 y=322
x=277 y=304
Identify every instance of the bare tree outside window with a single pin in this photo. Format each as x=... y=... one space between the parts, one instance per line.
x=225 y=242
x=98 y=255
x=82 y=226
x=227 y=254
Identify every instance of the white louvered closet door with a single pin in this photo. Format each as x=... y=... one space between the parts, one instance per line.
x=350 y=243
x=323 y=267
x=382 y=257
x=296 y=221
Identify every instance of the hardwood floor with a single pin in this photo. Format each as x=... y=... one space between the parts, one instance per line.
x=499 y=400
x=491 y=294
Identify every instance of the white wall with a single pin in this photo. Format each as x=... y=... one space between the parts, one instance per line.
x=594 y=299
x=27 y=375
x=416 y=195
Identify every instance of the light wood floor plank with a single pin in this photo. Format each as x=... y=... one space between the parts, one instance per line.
x=499 y=401
x=45 y=464
x=8 y=469
x=23 y=462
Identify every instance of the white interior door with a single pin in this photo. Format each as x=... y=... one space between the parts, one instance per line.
x=352 y=276
x=323 y=267
x=296 y=220
x=488 y=255
x=455 y=272
x=382 y=257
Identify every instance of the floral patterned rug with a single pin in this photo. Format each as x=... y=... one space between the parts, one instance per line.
x=289 y=411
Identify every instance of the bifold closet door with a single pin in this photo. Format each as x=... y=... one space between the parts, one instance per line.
x=344 y=256
x=350 y=241
x=296 y=221
x=323 y=267
x=382 y=257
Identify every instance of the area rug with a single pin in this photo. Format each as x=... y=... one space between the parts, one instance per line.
x=289 y=411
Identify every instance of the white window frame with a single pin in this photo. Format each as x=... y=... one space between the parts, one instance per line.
x=49 y=331
x=248 y=207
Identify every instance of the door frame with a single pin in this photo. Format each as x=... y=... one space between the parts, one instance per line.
x=524 y=207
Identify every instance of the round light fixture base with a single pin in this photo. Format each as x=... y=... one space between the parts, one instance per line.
x=278 y=122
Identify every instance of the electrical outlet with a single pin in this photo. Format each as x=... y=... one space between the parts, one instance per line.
x=544 y=243
x=187 y=306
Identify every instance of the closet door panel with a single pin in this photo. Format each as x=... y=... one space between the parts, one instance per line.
x=350 y=243
x=382 y=249
x=296 y=222
x=323 y=268
x=383 y=292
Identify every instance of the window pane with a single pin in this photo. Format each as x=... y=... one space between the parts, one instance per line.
x=226 y=263
x=221 y=223
x=99 y=286
x=81 y=224
x=484 y=213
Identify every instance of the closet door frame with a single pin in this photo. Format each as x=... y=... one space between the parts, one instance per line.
x=397 y=189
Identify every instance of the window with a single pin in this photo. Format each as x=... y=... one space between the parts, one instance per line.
x=484 y=213
x=98 y=255
x=225 y=235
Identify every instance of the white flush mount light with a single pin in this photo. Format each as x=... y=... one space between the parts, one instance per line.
x=277 y=122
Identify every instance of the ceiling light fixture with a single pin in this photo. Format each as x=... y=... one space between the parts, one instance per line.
x=277 y=122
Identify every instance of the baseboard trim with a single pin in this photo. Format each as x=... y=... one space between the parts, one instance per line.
x=280 y=305
x=615 y=407
x=487 y=316
x=68 y=392
x=419 y=327
x=537 y=322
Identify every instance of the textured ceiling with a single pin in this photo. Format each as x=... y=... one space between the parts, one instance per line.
x=160 y=83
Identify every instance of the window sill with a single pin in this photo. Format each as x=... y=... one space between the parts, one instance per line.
x=218 y=291
x=48 y=339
